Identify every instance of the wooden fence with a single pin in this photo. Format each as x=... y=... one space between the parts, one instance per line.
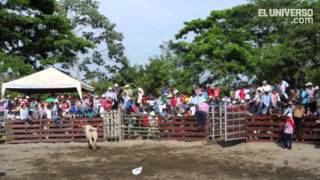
x=67 y=130
x=181 y=129
x=116 y=126
x=270 y=128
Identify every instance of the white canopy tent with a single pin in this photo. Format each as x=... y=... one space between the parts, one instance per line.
x=45 y=81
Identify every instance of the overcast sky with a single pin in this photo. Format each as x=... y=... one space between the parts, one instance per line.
x=146 y=24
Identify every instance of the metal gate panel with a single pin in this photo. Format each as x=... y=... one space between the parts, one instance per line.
x=235 y=122
x=227 y=122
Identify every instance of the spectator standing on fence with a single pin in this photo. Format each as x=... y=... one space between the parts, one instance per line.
x=109 y=93
x=216 y=93
x=210 y=92
x=203 y=108
x=117 y=91
x=288 y=131
x=310 y=95
x=266 y=101
x=127 y=91
x=140 y=97
x=266 y=87
x=283 y=86
x=275 y=99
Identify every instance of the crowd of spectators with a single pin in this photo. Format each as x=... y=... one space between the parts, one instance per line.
x=260 y=100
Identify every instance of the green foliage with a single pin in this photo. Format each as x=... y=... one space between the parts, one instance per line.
x=33 y=36
x=237 y=41
x=89 y=23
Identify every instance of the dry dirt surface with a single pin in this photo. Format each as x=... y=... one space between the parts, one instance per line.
x=160 y=160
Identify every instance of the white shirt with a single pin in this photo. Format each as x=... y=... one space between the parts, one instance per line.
x=48 y=113
x=247 y=94
x=284 y=85
x=193 y=110
x=266 y=88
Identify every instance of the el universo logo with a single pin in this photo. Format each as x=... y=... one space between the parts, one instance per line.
x=297 y=16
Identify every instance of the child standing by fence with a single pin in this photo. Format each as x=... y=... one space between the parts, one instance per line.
x=288 y=131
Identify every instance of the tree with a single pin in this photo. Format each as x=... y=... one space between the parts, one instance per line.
x=33 y=36
x=90 y=24
x=218 y=46
x=237 y=41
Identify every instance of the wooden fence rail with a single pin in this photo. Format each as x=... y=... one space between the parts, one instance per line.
x=67 y=130
x=270 y=128
x=116 y=126
x=181 y=129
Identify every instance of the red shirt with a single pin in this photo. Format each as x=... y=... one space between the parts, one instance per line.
x=210 y=92
x=217 y=92
x=242 y=94
x=173 y=102
x=145 y=121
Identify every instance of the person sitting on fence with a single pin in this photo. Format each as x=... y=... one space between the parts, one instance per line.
x=65 y=109
x=24 y=115
x=73 y=110
x=145 y=121
x=203 y=108
x=36 y=112
x=128 y=106
x=56 y=115
x=42 y=111
x=275 y=100
x=192 y=110
x=106 y=103
x=289 y=108
x=48 y=111
x=152 y=120
x=288 y=131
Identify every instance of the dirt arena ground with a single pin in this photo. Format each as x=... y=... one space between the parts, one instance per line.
x=160 y=160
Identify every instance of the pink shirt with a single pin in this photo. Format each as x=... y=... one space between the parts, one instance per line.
x=203 y=107
x=289 y=126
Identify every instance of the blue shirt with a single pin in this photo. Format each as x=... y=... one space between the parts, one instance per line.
x=266 y=99
x=24 y=114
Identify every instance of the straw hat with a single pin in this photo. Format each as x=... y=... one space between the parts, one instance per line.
x=309 y=84
x=127 y=86
x=152 y=113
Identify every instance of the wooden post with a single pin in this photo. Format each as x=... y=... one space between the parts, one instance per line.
x=72 y=130
x=40 y=130
x=119 y=123
x=104 y=127
x=213 y=124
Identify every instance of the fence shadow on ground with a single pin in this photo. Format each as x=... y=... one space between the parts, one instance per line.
x=226 y=144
